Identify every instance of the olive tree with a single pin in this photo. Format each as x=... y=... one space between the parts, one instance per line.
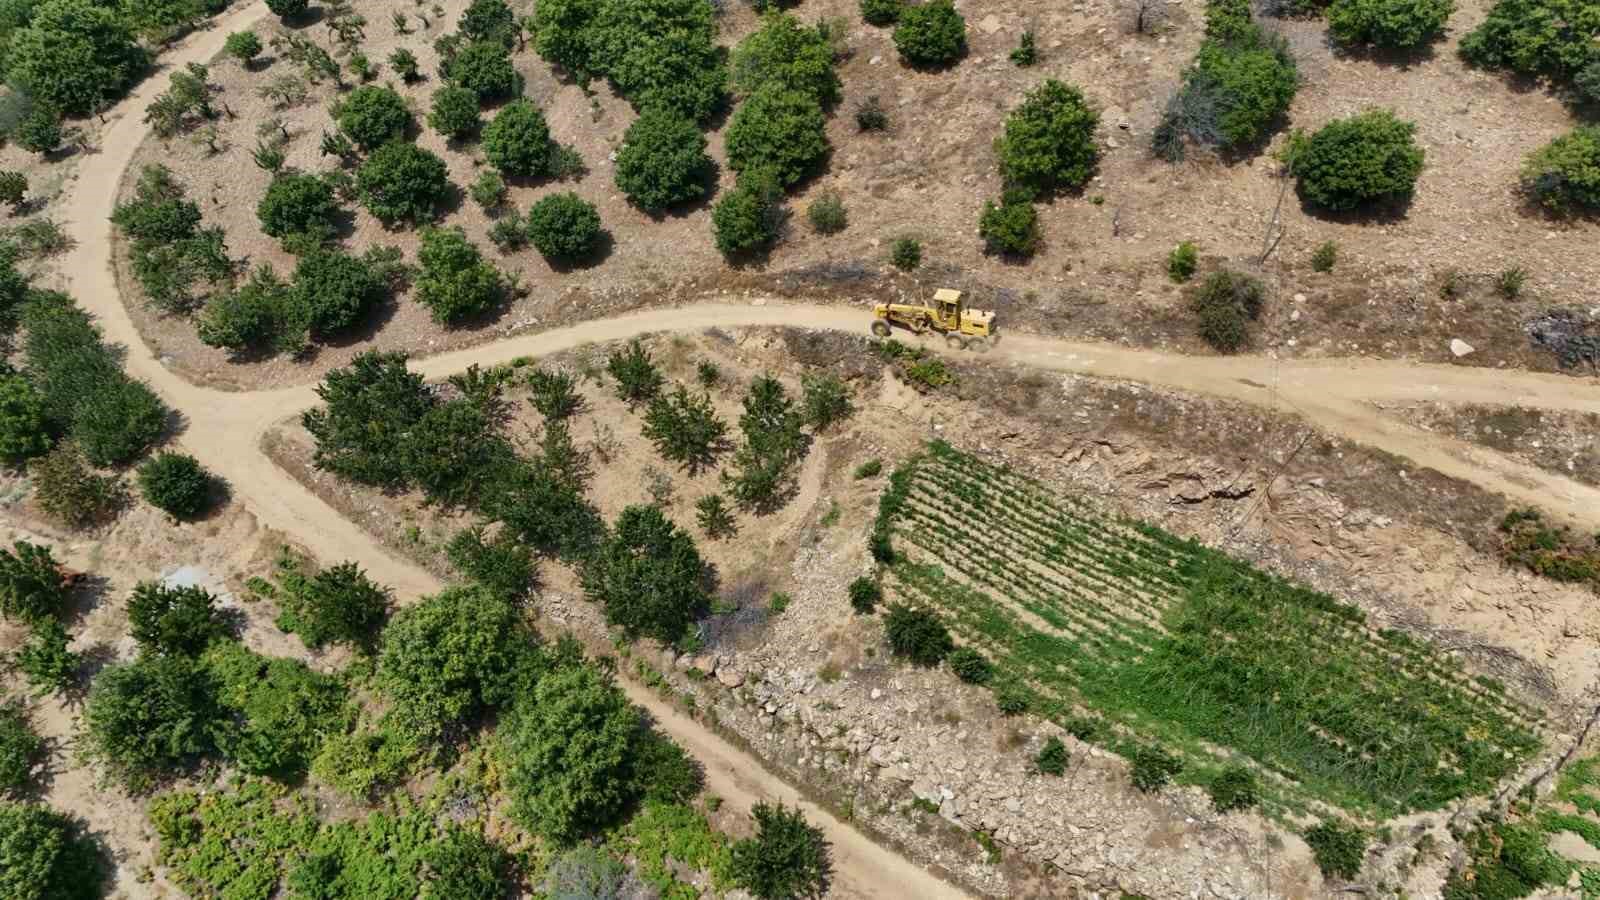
x=662 y=162
x=1048 y=142
x=402 y=182
x=517 y=140
x=778 y=130
x=455 y=282
x=373 y=116
x=648 y=575
x=564 y=227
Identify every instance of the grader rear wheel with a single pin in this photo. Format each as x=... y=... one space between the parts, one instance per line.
x=880 y=328
x=954 y=342
x=978 y=345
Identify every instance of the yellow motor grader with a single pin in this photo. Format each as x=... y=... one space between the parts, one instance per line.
x=963 y=328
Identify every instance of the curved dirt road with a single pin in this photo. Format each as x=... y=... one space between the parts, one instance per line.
x=224 y=429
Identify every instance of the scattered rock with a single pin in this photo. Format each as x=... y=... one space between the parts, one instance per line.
x=1460 y=348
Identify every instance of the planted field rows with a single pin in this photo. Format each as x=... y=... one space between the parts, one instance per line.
x=1167 y=642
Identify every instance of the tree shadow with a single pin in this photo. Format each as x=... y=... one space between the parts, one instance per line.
x=1383 y=211
x=599 y=252
x=1401 y=58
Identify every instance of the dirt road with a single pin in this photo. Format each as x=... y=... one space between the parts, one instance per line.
x=224 y=429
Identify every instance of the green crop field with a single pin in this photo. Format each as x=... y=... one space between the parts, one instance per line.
x=1162 y=641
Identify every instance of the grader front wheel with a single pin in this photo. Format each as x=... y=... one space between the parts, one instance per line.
x=954 y=342
x=880 y=328
x=978 y=345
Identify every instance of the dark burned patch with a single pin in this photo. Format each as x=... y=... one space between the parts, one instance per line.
x=847 y=355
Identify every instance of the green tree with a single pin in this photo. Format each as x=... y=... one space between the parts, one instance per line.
x=637 y=377
x=45 y=660
x=23 y=433
x=1238 y=87
x=44 y=855
x=1010 y=227
x=970 y=665
x=286 y=10
x=685 y=428
x=865 y=595
x=260 y=315
x=1365 y=159
x=783 y=54
x=502 y=564
x=787 y=859
x=452 y=657
x=662 y=162
x=778 y=130
x=454 y=452
x=335 y=291
x=13 y=190
x=465 y=864
x=72 y=54
x=906 y=254
x=555 y=393
x=298 y=204
x=1224 y=305
x=368 y=408
x=660 y=53
x=149 y=718
x=489 y=20
x=714 y=517
x=176 y=484
x=454 y=113
x=243 y=46
x=338 y=605
x=1552 y=38
x=180 y=621
x=1388 y=23
x=1564 y=175
x=20 y=748
x=881 y=13
x=517 y=141
x=455 y=282
x=748 y=219
x=917 y=634
x=280 y=709
x=564 y=227
x=567 y=752
x=39 y=131
x=1048 y=144
x=402 y=182
x=931 y=34
x=825 y=400
x=773 y=442
x=484 y=68
x=117 y=424
x=648 y=575
x=31 y=587
x=373 y=116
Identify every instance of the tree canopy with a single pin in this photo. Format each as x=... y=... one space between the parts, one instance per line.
x=74 y=56
x=648 y=575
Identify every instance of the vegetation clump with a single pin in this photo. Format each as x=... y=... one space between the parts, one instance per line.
x=787 y=858
x=780 y=131
x=748 y=219
x=176 y=484
x=1182 y=262
x=454 y=112
x=1357 y=162
x=564 y=227
x=373 y=116
x=648 y=575
x=1048 y=142
x=1224 y=306
x=1388 y=23
x=930 y=34
x=402 y=183
x=1239 y=86
x=1010 y=227
x=865 y=595
x=1052 y=758
x=45 y=855
x=1541 y=38
x=918 y=634
x=662 y=163
x=517 y=140
x=74 y=55
x=454 y=280
x=1564 y=175
x=1337 y=848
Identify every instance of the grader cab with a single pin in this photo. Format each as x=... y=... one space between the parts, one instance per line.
x=963 y=328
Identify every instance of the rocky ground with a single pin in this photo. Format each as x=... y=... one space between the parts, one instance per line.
x=1565 y=443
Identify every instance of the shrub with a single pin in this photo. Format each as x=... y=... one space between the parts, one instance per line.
x=685 y=429
x=72 y=55
x=404 y=63
x=489 y=190
x=509 y=232
x=517 y=141
x=827 y=214
x=748 y=219
x=906 y=254
x=567 y=751
x=176 y=484
x=23 y=433
x=1182 y=261
x=970 y=665
x=402 y=182
x=454 y=282
x=870 y=115
x=504 y=564
x=1052 y=758
x=1564 y=175
x=881 y=13
x=452 y=657
x=44 y=855
x=1233 y=788
x=31 y=588
x=466 y=865
x=783 y=54
x=662 y=162
x=180 y=621
x=13 y=190
x=1358 y=161
x=485 y=69
x=564 y=227
x=45 y=660
x=917 y=634
x=368 y=407
x=1553 y=38
x=648 y=576
x=39 y=131
x=489 y=20
x=1010 y=227
x=1388 y=23
x=260 y=315
x=20 y=750
x=555 y=394
x=288 y=9
x=586 y=871
x=1587 y=83
x=338 y=605
x=865 y=595
x=454 y=112
x=931 y=34
x=1048 y=143
x=1225 y=304
x=298 y=204
x=243 y=46
x=637 y=377
x=1026 y=53
x=1339 y=849
x=1237 y=88
x=780 y=130
x=335 y=291
x=70 y=492
x=149 y=718
x=373 y=116
x=1323 y=258
x=787 y=858
x=1153 y=768
x=1508 y=284
x=824 y=400
x=279 y=709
